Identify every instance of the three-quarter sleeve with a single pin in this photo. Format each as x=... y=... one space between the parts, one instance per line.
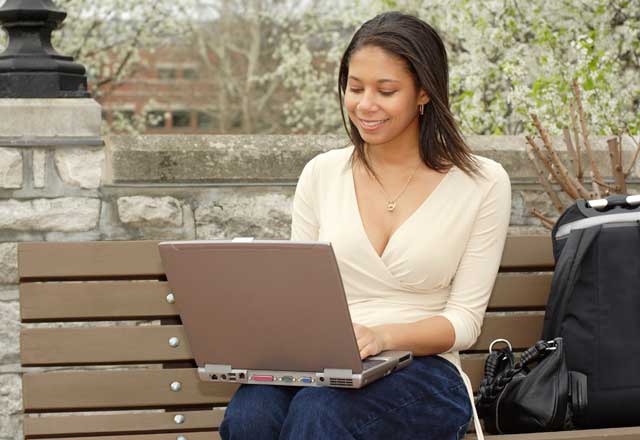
x=304 y=218
x=474 y=279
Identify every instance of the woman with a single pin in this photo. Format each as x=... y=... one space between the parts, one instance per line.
x=417 y=224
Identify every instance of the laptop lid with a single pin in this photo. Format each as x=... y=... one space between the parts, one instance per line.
x=271 y=305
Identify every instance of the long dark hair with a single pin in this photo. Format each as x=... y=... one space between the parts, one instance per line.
x=420 y=46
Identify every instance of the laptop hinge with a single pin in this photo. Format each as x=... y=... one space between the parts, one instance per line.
x=242 y=240
x=338 y=373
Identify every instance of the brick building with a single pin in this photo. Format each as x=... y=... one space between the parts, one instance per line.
x=168 y=92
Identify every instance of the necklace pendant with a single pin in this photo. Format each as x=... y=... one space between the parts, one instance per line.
x=391 y=206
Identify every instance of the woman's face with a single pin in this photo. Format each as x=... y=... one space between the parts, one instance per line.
x=381 y=97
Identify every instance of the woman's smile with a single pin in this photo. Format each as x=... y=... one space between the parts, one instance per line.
x=371 y=124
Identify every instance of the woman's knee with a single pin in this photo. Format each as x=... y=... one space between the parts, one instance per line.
x=312 y=403
x=256 y=412
x=400 y=408
x=318 y=413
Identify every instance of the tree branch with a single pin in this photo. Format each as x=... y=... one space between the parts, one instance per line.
x=572 y=152
x=585 y=135
x=555 y=199
x=562 y=175
x=614 y=188
x=264 y=99
x=615 y=156
x=132 y=48
x=574 y=124
x=546 y=221
x=78 y=52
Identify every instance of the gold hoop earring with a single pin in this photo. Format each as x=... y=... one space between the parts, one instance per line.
x=421 y=109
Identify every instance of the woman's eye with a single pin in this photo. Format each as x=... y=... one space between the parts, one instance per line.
x=382 y=92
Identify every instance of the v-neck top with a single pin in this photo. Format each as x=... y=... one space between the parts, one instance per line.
x=442 y=261
x=408 y=220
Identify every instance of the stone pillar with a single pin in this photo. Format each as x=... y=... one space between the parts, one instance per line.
x=51 y=167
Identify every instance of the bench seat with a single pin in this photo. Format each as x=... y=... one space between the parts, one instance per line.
x=96 y=325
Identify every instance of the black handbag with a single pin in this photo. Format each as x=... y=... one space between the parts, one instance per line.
x=535 y=394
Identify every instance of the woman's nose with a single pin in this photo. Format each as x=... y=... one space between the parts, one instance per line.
x=367 y=103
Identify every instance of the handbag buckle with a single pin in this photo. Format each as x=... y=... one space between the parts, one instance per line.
x=497 y=341
x=552 y=345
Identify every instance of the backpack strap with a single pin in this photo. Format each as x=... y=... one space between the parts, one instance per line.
x=565 y=277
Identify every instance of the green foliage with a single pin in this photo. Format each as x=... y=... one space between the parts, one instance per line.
x=508 y=58
x=516 y=59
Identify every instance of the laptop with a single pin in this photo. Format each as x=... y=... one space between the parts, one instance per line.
x=269 y=312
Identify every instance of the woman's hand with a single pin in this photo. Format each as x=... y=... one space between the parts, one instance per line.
x=371 y=340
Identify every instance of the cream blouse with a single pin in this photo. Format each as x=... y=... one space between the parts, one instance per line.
x=442 y=261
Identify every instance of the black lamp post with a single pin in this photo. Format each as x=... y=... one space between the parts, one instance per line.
x=30 y=67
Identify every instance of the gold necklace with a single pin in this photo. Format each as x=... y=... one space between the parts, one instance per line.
x=391 y=202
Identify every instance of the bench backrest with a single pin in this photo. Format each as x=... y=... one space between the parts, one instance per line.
x=80 y=288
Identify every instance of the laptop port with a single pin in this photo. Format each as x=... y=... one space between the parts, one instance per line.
x=224 y=377
x=306 y=379
x=262 y=378
x=241 y=375
x=404 y=358
x=214 y=376
x=287 y=379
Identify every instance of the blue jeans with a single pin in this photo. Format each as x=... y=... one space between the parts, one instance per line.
x=426 y=400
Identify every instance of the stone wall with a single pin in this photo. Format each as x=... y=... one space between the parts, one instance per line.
x=59 y=181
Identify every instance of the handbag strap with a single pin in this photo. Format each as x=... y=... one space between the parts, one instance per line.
x=497 y=362
x=538 y=351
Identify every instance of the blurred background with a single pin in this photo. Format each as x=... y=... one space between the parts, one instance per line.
x=270 y=66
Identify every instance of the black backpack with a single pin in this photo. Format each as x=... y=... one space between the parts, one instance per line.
x=594 y=305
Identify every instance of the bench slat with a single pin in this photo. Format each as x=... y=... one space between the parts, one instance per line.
x=117 y=424
x=102 y=345
x=527 y=251
x=150 y=344
x=43 y=427
x=103 y=300
x=142 y=389
x=520 y=290
x=141 y=258
x=89 y=259
x=127 y=300
x=122 y=389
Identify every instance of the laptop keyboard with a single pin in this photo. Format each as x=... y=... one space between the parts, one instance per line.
x=371 y=363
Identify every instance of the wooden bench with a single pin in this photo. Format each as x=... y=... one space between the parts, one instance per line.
x=115 y=394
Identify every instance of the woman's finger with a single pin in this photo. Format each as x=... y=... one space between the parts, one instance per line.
x=367 y=350
x=363 y=341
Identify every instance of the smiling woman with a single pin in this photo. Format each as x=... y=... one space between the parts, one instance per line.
x=385 y=69
x=379 y=92
x=417 y=224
